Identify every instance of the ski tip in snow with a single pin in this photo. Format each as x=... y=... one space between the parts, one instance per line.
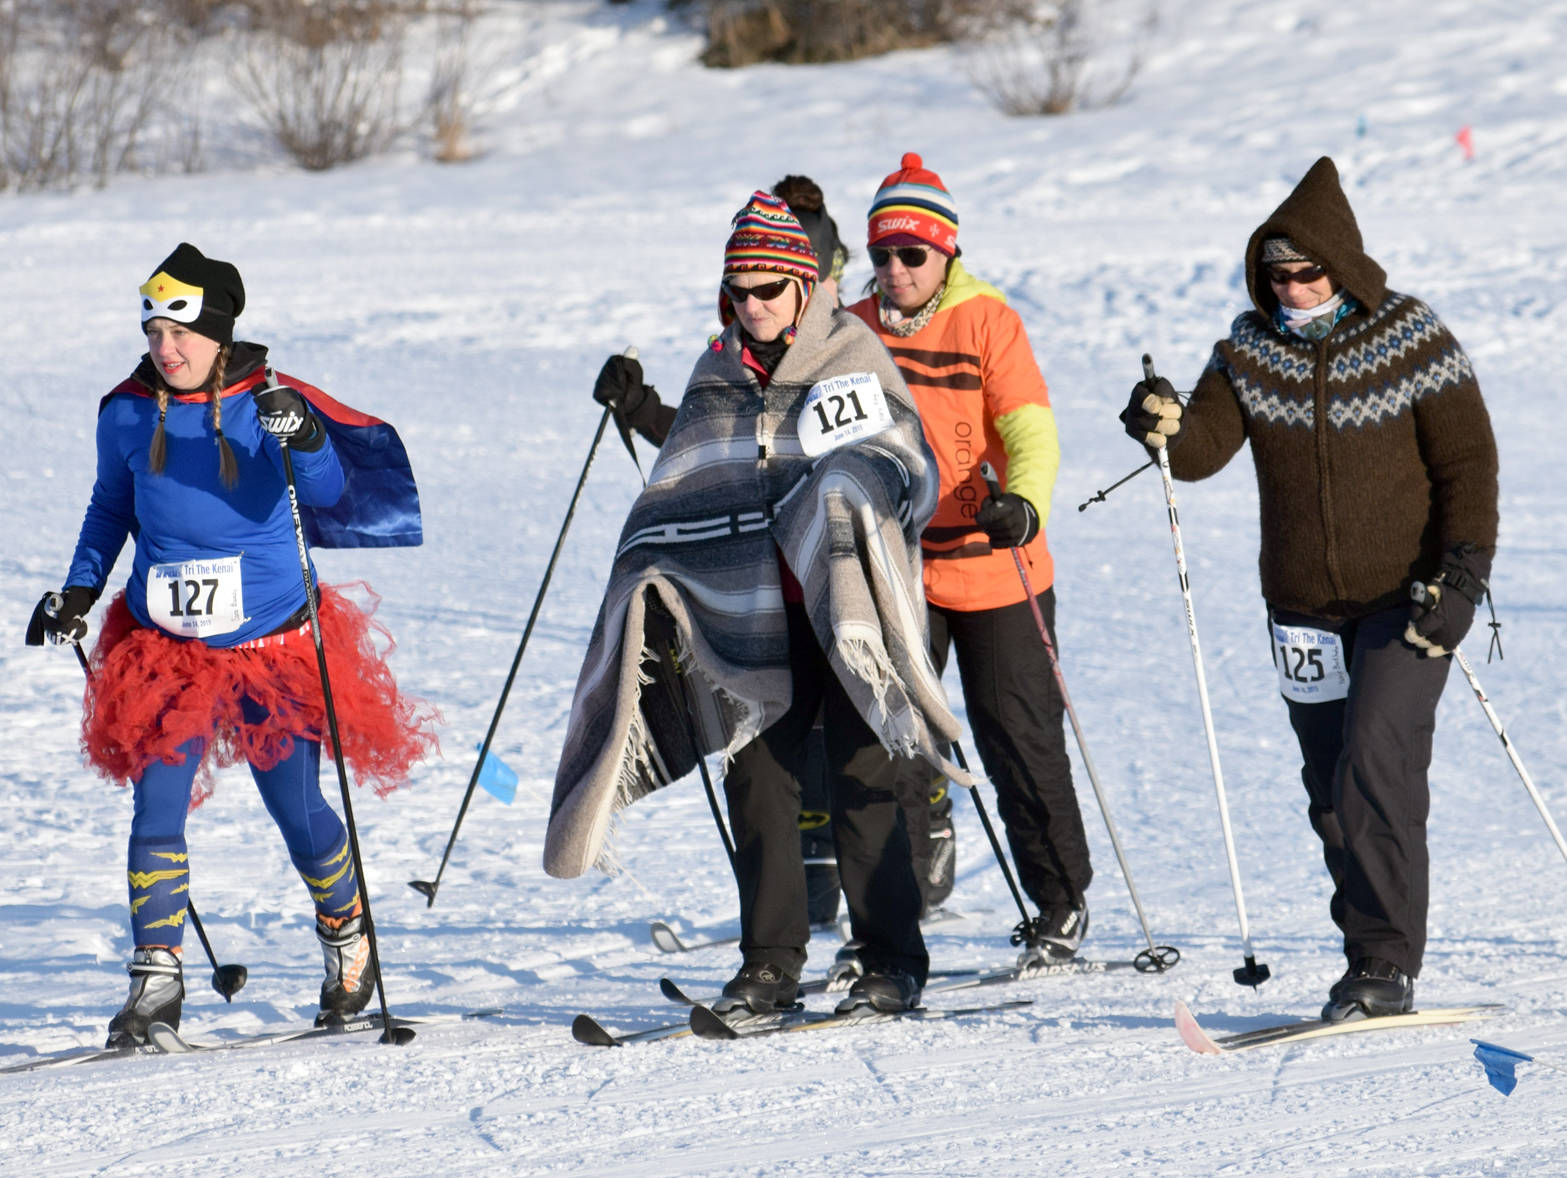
x=1191 y=1033
x=664 y=937
x=586 y=1029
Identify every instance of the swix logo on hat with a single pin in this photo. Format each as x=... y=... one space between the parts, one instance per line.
x=913 y=202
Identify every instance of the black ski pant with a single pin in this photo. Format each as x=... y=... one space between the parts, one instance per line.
x=1015 y=711
x=762 y=788
x=1364 y=764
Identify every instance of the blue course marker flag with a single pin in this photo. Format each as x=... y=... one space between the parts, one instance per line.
x=497 y=777
x=1499 y=1063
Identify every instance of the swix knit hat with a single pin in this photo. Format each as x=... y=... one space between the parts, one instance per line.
x=204 y=294
x=913 y=207
x=766 y=236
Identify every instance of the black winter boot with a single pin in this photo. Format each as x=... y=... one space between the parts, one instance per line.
x=1053 y=936
x=943 y=849
x=349 y=982
x=761 y=988
x=886 y=990
x=1370 y=988
x=157 y=989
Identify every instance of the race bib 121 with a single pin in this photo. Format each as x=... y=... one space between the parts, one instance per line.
x=841 y=411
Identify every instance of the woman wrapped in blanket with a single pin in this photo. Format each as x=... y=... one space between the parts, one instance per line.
x=771 y=571
x=206 y=658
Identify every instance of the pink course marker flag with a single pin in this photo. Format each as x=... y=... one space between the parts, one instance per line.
x=1466 y=142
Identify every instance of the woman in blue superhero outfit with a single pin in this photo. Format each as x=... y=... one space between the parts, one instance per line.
x=206 y=658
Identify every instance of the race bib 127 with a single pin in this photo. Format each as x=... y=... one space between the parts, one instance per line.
x=197 y=598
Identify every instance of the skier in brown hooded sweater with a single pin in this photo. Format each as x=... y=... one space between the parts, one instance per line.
x=1376 y=470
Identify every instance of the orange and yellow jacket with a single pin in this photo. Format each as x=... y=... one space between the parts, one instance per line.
x=981 y=398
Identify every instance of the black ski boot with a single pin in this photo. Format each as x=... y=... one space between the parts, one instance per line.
x=846 y=966
x=349 y=982
x=1371 y=988
x=885 y=990
x=760 y=988
x=942 y=872
x=1053 y=937
x=157 y=989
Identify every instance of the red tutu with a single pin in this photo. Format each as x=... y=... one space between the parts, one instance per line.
x=149 y=693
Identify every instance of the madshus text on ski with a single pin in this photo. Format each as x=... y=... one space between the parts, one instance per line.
x=845 y=496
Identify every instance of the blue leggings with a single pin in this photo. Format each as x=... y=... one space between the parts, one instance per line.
x=156 y=860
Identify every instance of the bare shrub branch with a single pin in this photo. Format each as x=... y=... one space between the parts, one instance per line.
x=1053 y=62
x=323 y=77
x=452 y=94
x=80 y=82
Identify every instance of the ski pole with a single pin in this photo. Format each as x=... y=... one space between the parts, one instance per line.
x=227 y=980
x=428 y=887
x=1021 y=934
x=1099 y=496
x=701 y=761
x=389 y=1033
x=1418 y=592
x=1251 y=973
x=1155 y=958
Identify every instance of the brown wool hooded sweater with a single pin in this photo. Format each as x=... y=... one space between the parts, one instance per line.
x=1372 y=446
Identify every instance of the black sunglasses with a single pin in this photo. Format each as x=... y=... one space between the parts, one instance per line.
x=912 y=256
x=1304 y=277
x=766 y=291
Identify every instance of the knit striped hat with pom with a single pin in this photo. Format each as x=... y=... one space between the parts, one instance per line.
x=765 y=235
x=913 y=207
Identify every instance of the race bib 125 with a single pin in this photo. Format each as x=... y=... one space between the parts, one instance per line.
x=1310 y=663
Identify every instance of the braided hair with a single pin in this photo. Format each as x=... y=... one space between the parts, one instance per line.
x=157 y=453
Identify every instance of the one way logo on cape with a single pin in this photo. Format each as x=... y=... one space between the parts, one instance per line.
x=842 y=410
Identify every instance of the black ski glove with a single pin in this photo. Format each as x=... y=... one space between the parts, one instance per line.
x=1009 y=520
x=1444 y=609
x=286 y=415
x=636 y=405
x=1153 y=415
x=61 y=617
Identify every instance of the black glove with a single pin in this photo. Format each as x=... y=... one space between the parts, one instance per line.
x=1444 y=608
x=285 y=415
x=636 y=405
x=1153 y=415
x=1009 y=520
x=61 y=617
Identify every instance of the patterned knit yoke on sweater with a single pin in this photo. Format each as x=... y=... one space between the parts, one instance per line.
x=1372 y=446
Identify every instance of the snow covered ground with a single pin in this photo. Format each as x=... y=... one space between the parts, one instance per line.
x=472 y=306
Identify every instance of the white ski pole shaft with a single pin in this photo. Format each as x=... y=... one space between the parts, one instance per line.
x=1512 y=753
x=1251 y=974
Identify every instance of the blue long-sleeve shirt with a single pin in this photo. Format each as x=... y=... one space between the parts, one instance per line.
x=188 y=527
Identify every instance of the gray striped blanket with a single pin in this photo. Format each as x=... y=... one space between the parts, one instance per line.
x=696 y=576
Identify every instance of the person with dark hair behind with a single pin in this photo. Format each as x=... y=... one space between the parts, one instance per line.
x=1376 y=471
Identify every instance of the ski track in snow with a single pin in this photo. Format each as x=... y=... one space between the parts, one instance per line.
x=472 y=307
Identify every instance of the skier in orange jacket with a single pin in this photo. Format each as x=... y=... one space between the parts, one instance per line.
x=967 y=361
